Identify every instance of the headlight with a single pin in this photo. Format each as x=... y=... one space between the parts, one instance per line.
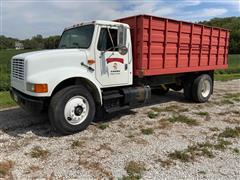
x=37 y=88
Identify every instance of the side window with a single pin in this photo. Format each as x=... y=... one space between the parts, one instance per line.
x=104 y=42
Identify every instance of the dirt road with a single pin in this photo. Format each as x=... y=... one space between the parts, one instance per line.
x=170 y=138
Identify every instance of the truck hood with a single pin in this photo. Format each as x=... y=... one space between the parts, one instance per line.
x=39 y=62
x=47 y=53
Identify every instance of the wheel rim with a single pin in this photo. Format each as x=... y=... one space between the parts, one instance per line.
x=76 y=110
x=206 y=88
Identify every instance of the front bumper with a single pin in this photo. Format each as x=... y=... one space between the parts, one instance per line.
x=30 y=103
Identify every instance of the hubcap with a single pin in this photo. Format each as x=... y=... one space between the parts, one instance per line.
x=76 y=110
x=206 y=87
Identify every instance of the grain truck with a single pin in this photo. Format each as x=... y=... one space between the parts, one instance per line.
x=108 y=66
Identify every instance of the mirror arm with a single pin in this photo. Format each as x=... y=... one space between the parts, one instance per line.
x=110 y=38
x=102 y=52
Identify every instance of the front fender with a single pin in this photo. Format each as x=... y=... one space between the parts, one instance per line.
x=55 y=76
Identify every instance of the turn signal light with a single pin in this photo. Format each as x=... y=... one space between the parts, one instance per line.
x=40 y=88
x=90 y=61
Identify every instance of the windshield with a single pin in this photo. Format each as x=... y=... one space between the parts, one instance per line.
x=79 y=37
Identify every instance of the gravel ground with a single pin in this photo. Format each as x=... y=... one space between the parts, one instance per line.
x=132 y=144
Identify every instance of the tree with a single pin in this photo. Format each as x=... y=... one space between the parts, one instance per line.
x=51 y=42
x=7 y=43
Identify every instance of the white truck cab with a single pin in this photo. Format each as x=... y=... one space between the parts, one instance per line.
x=91 y=56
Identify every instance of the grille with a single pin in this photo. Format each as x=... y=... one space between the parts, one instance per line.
x=18 y=69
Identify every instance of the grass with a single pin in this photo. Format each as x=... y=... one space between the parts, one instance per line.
x=190 y=153
x=232 y=95
x=105 y=146
x=165 y=163
x=202 y=172
x=201 y=149
x=222 y=144
x=226 y=101
x=38 y=152
x=140 y=141
x=5 y=168
x=183 y=156
x=147 y=131
x=231 y=120
x=134 y=170
x=163 y=124
x=226 y=77
x=235 y=112
x=233 y=71
x=183 y=119
x=175 y=108
x=170 y=108
x=230 y=132
x=130 y=135
x=152 y=114
x=5 y=57
x=213 y=129
x=229 y=98
x=32 y=169
x=236 y=150
x=95 y=167
x=207 y=153
x=233 y=65
x=103 y=126
x=77 y=143
x=157 y=109
x=202 y=113
x=6 y=100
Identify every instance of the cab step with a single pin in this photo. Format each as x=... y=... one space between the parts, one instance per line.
x=116 y=109
x=112 y=96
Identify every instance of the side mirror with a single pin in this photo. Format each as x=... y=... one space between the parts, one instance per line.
x=123 y=50
x=122 y=36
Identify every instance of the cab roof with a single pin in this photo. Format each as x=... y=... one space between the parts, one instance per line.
x=99 y=22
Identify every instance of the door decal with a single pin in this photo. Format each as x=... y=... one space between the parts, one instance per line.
x=120 y=60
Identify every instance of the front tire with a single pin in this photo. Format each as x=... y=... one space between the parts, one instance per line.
x=71 y=109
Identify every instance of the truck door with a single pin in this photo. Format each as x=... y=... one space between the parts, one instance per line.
x=112 y=68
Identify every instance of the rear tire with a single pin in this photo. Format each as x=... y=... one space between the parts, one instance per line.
x=71 y=109
x=202 y=88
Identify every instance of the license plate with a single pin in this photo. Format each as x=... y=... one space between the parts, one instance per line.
x=15 y=97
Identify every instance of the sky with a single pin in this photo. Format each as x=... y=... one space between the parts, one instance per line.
x=25 y=18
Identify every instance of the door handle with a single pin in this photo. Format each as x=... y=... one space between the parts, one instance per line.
x=126 y=67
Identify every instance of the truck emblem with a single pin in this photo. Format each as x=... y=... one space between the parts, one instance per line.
x=115 y=66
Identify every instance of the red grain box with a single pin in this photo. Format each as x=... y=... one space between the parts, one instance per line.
x=166 y=46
